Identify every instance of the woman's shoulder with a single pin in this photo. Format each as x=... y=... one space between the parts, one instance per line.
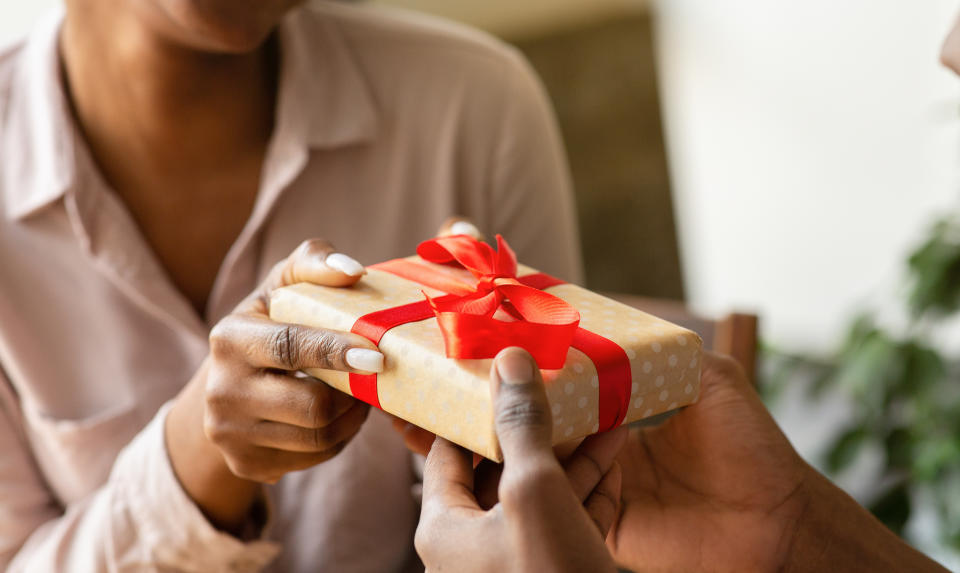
x=425 y=47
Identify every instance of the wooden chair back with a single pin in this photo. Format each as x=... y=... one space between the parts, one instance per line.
x=734 y=334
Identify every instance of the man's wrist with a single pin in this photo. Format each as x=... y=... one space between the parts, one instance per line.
x=835 y=533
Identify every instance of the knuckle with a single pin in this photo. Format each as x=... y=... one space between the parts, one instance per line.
x=519 y=487
x=214 y=429
x=721 y=366
x=321 y=438
x=315 y=245
x=423 y=538
x=220 y=339
x=519 y=410
x=330 y=351
x=320 y=407
x=245 y=467
x=283 y=345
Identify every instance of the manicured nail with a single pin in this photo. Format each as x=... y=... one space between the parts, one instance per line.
x=514 y=368
x=465 y=228
x=365 y=360
x=344 y=264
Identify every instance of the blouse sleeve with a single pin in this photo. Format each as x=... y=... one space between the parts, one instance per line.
x=140 y=519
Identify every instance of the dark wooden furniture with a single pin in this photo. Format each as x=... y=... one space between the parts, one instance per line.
x=734 y=334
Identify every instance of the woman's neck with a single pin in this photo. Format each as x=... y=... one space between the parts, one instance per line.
x=147 y=105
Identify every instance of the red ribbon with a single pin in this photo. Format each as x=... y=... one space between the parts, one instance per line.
x=499 y=311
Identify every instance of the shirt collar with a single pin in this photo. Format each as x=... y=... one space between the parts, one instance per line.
x=38 y=163
x=324 y=101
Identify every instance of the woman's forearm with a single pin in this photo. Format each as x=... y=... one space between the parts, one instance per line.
x=224 y=498
x=835 y=533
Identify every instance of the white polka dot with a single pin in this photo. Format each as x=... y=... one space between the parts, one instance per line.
x=433 y=417
x=589 y=416
x=664 y=395
x=558 y=421
x=455 y=429
x=582 y=402
x=638 y=402
x=595 y=382
x=569 y=388
x=408 y=406
x=631 y=354
x=681 y=340
x=568 y=431
x=672 y=406
x=656 y=347
x=647 y=367
x=658 y=382
x=648 y=413
x=634 y=388
x=672 y=360
x=596 y=428
x=578 y=368
x=693 y=363
x=688 y=389
x=556 y=408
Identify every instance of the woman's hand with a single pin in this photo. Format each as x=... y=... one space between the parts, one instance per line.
x=247 y=416
x=546 y=517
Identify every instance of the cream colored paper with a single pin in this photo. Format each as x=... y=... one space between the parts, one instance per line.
x=452 y=397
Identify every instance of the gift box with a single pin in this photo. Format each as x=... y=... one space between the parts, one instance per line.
x=440 y=317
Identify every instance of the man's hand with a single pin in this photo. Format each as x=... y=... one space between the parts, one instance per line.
x=547 y=517
x=719 y=488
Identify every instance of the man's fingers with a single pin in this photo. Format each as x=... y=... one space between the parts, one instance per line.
x=719 y=369
x=459 y=226
x=592 y=460
x=448 y=478
x=263 y=343
x=604 y=502
x=417 y=439
x=521 y=410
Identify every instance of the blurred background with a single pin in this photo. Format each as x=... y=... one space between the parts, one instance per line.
x=789 y=160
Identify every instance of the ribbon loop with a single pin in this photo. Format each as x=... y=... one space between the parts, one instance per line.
x=539 y=322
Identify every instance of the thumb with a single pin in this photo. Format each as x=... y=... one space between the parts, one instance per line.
x=522 y=416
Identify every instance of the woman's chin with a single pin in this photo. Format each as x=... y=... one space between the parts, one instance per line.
x=224 y=26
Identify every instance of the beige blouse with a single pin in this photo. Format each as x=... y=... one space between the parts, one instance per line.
x=387 y=123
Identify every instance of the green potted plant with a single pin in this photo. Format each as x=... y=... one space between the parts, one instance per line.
x=905 y=391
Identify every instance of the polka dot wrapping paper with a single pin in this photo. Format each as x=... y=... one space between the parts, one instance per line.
x=452 y=397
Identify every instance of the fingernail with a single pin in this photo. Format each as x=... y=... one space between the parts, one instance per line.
x=515 y=368
x=465 y=228
x=344 y=264
x=364 y=359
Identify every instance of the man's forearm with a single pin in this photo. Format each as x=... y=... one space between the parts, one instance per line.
x=835 y=533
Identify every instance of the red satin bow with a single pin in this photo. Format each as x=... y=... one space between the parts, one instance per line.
x=543 y=324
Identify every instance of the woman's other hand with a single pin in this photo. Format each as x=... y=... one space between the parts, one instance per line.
x=248 y=416
x=547 y=517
